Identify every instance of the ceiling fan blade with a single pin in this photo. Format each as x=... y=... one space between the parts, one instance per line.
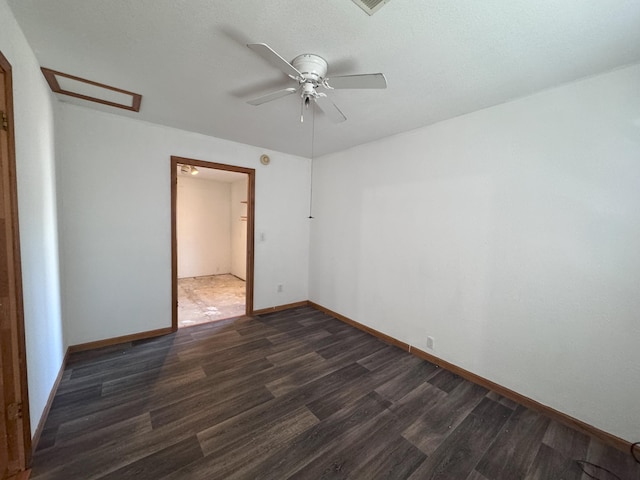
x=367 y=80
x=330 y=109
x=272 y=96
x=266 y=52
x=256 y=87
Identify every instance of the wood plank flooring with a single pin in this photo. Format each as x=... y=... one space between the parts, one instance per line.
x=294 y=394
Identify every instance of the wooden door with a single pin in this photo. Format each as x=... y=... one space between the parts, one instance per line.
x=15 y=434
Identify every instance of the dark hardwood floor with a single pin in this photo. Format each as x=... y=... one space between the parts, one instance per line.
x=295 y=394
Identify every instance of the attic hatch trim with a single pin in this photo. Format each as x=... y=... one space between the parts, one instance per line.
x=52 y=80
x=371 y=6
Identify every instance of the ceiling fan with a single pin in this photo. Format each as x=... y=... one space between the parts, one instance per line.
x=310 y=71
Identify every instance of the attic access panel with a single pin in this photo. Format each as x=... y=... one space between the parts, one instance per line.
x=78 y=87
x=371 y=6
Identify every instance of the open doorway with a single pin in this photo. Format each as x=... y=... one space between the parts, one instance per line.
x=212 y=218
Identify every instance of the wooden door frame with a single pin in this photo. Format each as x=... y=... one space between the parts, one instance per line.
x=18 y=370
x=251 y=195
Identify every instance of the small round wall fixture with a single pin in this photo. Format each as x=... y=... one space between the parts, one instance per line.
x=264 y=159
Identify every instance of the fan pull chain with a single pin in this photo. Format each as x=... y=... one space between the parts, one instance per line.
x=313 y=139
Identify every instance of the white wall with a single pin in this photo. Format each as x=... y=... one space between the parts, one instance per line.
x=35 y=159
x=510 y=235
x=203 y=225
x=239 y=228
x=115 y=229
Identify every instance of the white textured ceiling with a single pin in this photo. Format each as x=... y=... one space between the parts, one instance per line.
x=441 y=58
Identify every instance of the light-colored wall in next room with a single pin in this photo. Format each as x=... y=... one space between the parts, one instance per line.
x=239 y=228
x=203 y=225
x=510 y=235
x=115 y=222
x=35 y=164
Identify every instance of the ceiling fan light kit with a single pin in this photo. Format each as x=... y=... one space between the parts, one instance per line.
x=310 y=72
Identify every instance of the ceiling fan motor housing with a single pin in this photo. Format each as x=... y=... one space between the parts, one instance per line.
x=312 y=67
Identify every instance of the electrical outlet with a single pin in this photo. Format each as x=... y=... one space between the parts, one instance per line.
x=430 y=342
x=279 y=288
